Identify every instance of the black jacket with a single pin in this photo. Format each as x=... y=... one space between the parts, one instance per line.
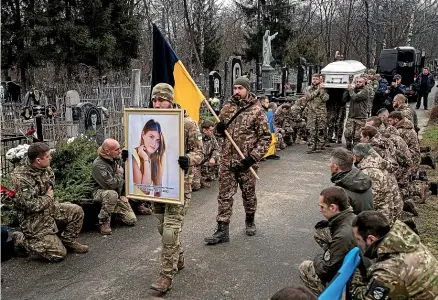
x=357 y=184
x=343 y=240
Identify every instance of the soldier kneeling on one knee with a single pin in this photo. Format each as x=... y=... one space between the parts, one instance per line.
x=40 y=214
x=108 y=185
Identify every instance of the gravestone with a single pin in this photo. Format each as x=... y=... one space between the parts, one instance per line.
x=90 y=121
x=214 y=84
x=233 y=69
x=72 y=113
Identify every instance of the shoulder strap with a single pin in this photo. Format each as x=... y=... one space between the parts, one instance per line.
x=239 y=112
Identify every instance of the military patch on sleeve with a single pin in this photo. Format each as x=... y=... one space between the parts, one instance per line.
x=104 y=173
x=199 y=136
x=327 y=255
x=377 y=290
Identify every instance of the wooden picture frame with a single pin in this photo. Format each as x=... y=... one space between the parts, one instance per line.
x=154 y=139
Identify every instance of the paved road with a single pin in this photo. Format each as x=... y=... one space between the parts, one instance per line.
x=123 y=265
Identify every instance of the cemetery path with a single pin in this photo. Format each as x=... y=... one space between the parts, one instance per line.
x=123 y=265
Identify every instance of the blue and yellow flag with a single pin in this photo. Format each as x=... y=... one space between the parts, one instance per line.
x=167 y=68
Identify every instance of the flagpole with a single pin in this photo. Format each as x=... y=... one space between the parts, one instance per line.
x=229 y=137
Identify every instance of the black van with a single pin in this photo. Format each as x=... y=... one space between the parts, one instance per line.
x=406 y=61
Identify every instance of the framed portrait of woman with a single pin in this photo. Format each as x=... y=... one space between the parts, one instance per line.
x=154 y=139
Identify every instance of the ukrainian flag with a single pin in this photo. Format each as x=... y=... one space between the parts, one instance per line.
x=167 y=68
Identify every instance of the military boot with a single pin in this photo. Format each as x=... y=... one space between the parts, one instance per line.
x=409 y=206
x=162 y=284
x=180 y=264
x=422 y=175
x=105 y=228
x=250 y=225
x=221 y=235
x=433 y=188
x=428 y=161
x=76 y=247
x=18 y=242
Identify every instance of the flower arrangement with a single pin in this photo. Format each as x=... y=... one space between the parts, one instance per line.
x=15 y=155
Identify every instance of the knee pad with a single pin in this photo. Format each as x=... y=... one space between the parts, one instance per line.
x=170 y=236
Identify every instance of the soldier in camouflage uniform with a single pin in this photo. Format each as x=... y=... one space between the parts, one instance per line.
x=335 y=115
x=282 y=119
x=372 y=84
x=357 y=112
x=401 y=105
x=402 y=153
x=407 y=132
x=316 y=98
x=171 y=216
x=298 y=123
x=205 y=171
x=108 y=182
x=247 y=125
x=403 y=267
x=386 y=195
x=382 y=145
x=39 y=213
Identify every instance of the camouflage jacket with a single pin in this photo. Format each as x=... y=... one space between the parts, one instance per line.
x=282 y=118
x=193 y=145
x=296 y=113
x=211 y=149
x=406 y=111
x=407 y=132
x=386 y=195
x=35 y=209
x=386 y=149
x=316 y=98
x=250 y=130
x=403 y=155
x=404 y=268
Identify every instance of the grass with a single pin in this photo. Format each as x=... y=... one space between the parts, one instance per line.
x=428 y=220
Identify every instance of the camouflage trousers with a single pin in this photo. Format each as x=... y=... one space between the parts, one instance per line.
x=280 y=142
x=299 y=130
x=352 y=131
x=201 y=174
x=228 y=182
x=68 y=218
x=316 y=124
x=170 y=223
x=307 y=270
x=111 y=204
x=310 y=279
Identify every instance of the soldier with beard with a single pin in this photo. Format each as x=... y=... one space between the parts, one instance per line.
x=316 y=98
x=247 y=125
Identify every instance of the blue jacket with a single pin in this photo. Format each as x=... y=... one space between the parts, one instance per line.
x=383 y=85
x=270 y=117
x=430 y=82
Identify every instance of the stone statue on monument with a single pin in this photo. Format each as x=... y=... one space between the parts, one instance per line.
x=267 y=50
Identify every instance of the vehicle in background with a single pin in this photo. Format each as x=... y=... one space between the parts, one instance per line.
x=406 y=61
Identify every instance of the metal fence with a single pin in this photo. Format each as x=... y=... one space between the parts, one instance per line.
x=9 y=142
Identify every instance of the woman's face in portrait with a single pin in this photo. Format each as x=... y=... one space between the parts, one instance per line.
x=151 y=140
x=94 y=119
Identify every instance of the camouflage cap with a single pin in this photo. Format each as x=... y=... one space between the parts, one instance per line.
x=361 y=149
x=372 y=71
x=163 y=90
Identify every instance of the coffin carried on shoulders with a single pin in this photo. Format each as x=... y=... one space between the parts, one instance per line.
x=339 y=74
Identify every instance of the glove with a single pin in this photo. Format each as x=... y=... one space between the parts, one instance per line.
x=322 y=224
x=124 y=155
x=221 y=127
x=243 y=165
x=184 y=163
x=247 y=162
